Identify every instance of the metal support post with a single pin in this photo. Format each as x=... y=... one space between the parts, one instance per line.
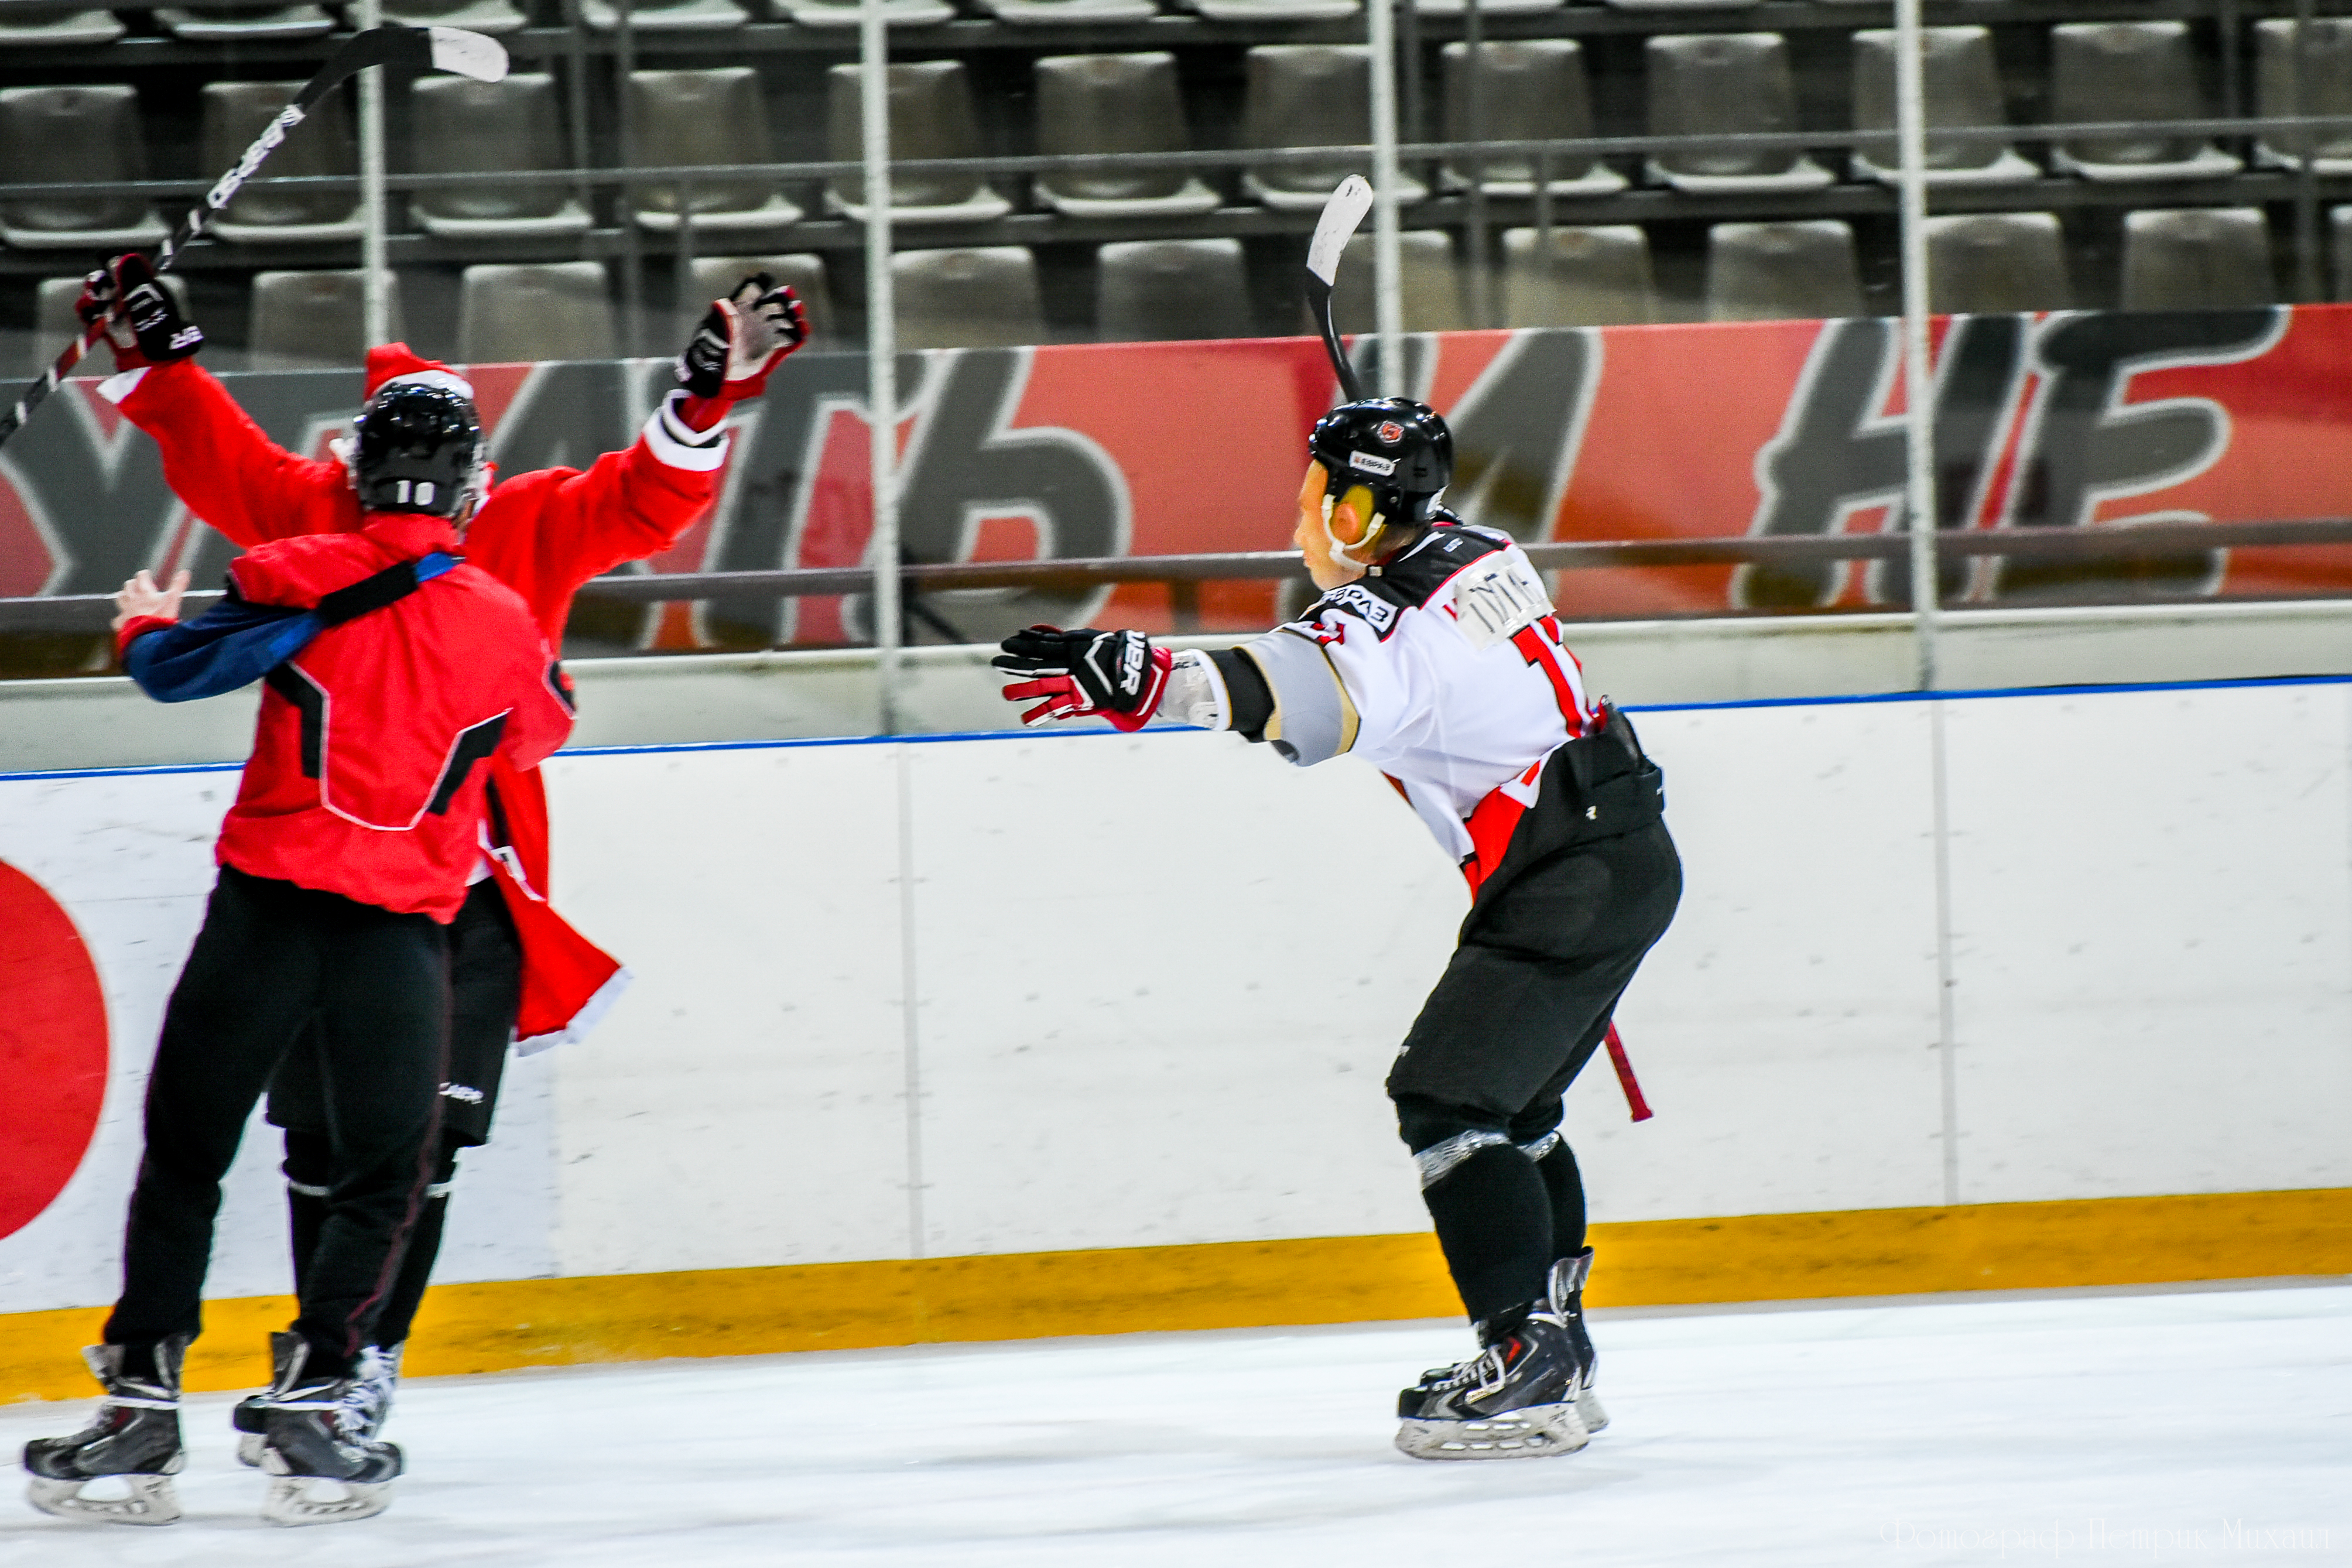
x=1918 y=375
x=881 y=358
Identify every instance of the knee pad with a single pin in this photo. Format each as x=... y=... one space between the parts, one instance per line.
x=1442 y=1136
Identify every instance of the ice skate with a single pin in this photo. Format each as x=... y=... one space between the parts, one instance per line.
x=1516 y=1399
x=1566 y=1294
x=135 y=1436
x=323 y=1467
x=370 y=1399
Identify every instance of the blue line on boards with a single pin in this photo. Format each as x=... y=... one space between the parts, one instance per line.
x=1091 y=732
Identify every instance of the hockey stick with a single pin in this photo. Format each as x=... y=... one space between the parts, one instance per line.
x=1341 y=214
x=1624 y=1066
x=424 y=49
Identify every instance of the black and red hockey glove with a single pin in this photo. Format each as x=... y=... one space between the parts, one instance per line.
x=741 y=338
x=143 y=323
x=1118 y=675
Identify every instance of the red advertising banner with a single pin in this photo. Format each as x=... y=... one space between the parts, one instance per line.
x=1791 y=428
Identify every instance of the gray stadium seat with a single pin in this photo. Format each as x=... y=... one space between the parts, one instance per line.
x=847 y=13
x=30 y=27
x=1152 y=290
x=1526 y=92
x=237 y=112
x=2139 y=71
x=1430 y=282
x=1781 y=271
x=2339 y=236
x=1989 y=263
x=1308 y=95
x=932 y=116
x=2197 y=258
x=304 y=320
x=1486 y=7
x=1961 y=88
x=1271 y=10
x=985 y=298
x=78 y=133
x=2325 y=88
x=665 y=16
x=54 y=321
x=251 y=24
x=714 y=275
x=507 y=314
x=1702 y=84
x=1058 y=13
x=1679 y=4
x=680 y=119
x=465 y=126
x=495 y=17
x=1597 y=277
x=1115 y=103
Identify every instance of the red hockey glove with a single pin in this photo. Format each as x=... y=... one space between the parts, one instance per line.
x=741 y=338
x=145 y=325
x=1118 y=675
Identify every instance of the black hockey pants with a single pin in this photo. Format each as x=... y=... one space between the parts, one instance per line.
x=1587 y=887
x=271 y=956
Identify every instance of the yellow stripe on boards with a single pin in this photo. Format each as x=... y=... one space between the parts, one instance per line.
x=505 y=1324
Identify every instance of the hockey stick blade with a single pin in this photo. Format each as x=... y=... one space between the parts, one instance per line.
x=452 y=49
x=1341 y=214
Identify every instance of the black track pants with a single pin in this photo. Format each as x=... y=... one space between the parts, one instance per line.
x=271 y=956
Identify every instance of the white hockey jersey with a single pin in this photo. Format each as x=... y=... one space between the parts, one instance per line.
x=1444 y=669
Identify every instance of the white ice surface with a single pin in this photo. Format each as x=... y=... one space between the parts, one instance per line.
x=2122 y=1428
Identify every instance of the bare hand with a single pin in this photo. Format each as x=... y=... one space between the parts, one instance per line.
x=140 y=597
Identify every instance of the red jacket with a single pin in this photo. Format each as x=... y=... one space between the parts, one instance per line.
x=543 y=534
x=367 y=776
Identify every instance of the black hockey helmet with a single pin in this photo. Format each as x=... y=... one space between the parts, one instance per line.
x=1400 y=448
x=417 y=449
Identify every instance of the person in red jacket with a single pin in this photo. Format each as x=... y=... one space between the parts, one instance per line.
x=397 y=676
x=520 y=973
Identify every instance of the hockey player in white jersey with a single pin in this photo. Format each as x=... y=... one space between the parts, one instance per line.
x=1435 y=656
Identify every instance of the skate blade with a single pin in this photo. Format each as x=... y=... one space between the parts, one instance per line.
x=317 y=1500
x=1530 y=1434
x=148 y=1499
x=1589 y=1411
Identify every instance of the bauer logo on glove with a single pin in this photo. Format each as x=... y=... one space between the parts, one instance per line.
x=1118 y=675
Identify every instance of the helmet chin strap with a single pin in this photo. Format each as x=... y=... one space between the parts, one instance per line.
x=1342 y=552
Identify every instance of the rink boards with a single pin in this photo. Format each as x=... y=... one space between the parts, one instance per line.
x=980 y=1037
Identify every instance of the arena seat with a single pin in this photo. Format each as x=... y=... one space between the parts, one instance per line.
x=2139 y=71
x=1595 y=277
x=245 y=23
x=1527 y=90
x=1152 y=290
x=665 y=16
x=29 y=26
x=1308 y=95
x=847 y=13
x=559 y=310
x=981 y=297
x=466 y=126
x=2325 y=88
x=2197 y=258
x=1061 y=13
x=1960 y=88
x=1488 y=7
x=234 y=113
x=1780 y=271
x=932 y=116
x=494 y=17
x=1115 y=103
x=1987 y=263
x=1710 y=84
x=74 y=133
x=683 y=118
x=304 y=320
x=1272 y=10
x=711 y=276
x=1429 y=280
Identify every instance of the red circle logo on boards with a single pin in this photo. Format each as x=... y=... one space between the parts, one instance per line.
x=52 y=1049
